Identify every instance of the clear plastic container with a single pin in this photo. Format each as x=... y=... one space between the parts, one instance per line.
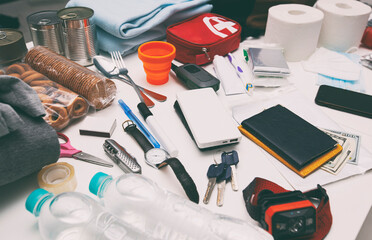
x=143 y=204
x=73 y=215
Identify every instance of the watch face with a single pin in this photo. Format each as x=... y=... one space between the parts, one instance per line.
x=156 y=156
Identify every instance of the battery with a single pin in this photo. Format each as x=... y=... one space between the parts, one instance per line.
x=12 y=46
x=79 y=34
x=46 y=30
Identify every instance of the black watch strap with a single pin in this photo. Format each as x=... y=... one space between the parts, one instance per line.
x=140 y=138
x=184 y=178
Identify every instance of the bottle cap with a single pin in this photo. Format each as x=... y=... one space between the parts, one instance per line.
x=144 y=110
x=97 y=181
x=34 y=198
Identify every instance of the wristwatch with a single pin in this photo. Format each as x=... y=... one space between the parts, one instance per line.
x=158 y=158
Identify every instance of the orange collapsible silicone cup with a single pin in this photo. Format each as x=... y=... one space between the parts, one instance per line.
x=157 y=57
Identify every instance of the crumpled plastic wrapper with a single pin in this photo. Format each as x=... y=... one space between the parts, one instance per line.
x=61 y=104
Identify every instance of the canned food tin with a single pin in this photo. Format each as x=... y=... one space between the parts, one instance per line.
x=12 y=46
x=79 y=34
x=46 y=30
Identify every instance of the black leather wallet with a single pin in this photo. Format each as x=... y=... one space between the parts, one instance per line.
x=289 y=136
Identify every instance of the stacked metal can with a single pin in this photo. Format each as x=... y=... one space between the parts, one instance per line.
x=69 y=32
x=46 y=30
x=79 y=34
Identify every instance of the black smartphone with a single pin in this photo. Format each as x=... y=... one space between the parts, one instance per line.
x=344 y=100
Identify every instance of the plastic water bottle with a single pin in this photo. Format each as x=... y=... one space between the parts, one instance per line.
x=141 y=203
x=73 y=215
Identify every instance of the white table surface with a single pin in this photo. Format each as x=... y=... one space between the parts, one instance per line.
x=350 y=199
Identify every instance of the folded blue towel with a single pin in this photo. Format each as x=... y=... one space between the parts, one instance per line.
x=124 y=25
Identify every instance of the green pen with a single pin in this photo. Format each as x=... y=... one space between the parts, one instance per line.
x=245 y=52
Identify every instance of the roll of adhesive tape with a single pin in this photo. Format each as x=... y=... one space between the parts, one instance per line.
x=57 y=178
x=343 y=25
x=295 y=28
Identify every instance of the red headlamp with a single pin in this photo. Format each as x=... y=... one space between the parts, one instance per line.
x=288 y=214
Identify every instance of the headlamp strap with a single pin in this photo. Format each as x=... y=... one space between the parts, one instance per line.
x=323 y=211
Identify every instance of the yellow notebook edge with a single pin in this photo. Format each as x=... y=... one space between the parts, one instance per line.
x=306 y=170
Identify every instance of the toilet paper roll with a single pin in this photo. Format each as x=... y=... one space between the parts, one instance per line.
x=344 y=23
x=295 y=28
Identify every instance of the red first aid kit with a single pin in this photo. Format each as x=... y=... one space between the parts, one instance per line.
x=200 y=38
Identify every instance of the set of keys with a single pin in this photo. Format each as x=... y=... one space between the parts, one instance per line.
x=220 y=174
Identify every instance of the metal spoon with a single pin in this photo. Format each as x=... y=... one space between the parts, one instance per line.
x=108 y=69
x=116 y=73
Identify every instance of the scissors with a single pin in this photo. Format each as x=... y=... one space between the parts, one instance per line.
x=69 y=151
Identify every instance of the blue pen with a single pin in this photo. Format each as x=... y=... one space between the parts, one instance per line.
x=136 y=121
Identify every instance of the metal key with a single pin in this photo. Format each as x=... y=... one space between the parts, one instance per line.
x=221 y=184
x=232 y=159
x=214 y=171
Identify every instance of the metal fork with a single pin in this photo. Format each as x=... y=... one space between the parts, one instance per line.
x=119 y=63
